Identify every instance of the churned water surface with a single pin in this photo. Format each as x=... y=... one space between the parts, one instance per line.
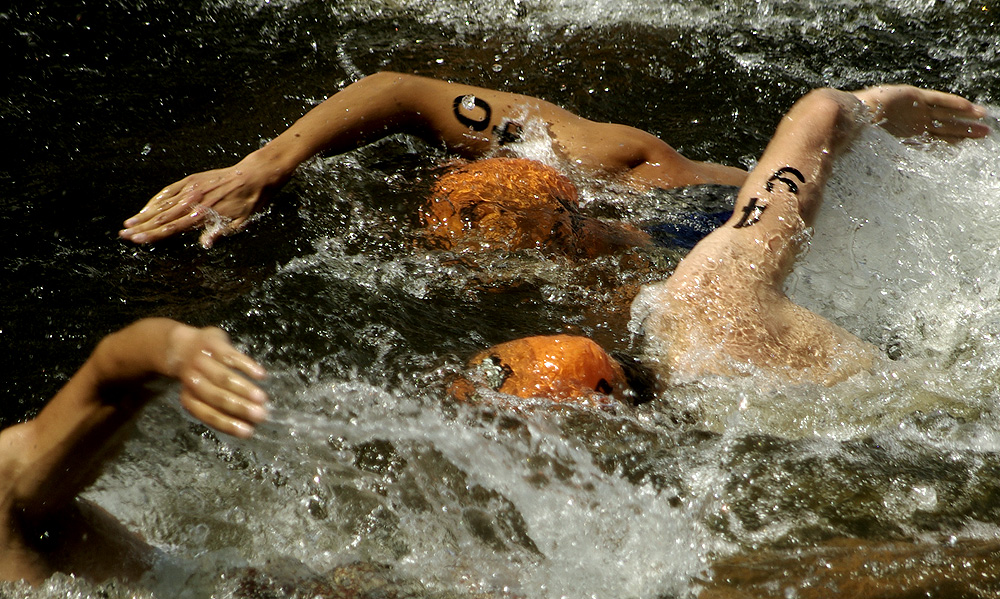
x=367 y=471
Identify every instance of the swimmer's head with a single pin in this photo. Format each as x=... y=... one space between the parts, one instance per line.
x=515 y=203
x=563 y=368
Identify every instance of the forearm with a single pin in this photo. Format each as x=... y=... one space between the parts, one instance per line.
x=375 y=107
x=720 y=174
x=782 y=195
x=791 y=175
x=61 y=451
x=81 y=427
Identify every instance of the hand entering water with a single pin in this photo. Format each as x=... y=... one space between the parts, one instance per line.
x=47 y=461
x=906 y=111
x=212 y=388
x=221 y=201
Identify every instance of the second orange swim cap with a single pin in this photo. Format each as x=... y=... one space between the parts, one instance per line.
x=558 y=367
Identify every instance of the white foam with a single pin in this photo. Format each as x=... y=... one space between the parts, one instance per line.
x=905 y=245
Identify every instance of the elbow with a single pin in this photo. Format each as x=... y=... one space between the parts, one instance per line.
x=400 y=89
x=831 y=111
x=829 y=103
x=388 y=81
x=382 y=77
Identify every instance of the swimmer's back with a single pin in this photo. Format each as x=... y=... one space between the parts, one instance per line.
x=721 y=313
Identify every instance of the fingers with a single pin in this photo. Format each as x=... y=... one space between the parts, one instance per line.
x=952 y=117
x=224 y=354
x=953 y=104
x=223 y=413
x=173 y=210
x=208 y=237
x=953 y=122
x=170 y=198
x=156 y=203
x=956 y=130
x=216 y=227
x=217 y=388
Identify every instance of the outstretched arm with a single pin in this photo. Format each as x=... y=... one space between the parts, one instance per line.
x=725 y=307
x=783 y=193
x=466 y=119
x=45 y=462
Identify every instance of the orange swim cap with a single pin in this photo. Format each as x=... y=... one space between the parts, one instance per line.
x=562 y=368
x=516 y=203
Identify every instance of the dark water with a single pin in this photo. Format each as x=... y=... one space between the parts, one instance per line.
x=105 y=103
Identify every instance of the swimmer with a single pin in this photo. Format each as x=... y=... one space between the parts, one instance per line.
x=470 y=121
x=47 y=461
x=560 y=368
x=516 y=203
x=723 y=311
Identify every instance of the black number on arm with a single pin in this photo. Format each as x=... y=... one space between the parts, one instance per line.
x=777 y=176
x=751 y=214
x=475 y=125
x=508 y=134
x=753 y=211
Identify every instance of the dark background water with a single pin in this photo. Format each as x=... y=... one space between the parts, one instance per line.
x=105 y=103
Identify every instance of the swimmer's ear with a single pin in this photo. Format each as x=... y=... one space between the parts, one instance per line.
x=496 y=372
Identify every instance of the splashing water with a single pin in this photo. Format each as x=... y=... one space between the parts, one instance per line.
x=367 y=459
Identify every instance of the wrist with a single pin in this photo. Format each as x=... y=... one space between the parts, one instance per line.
x=177 y=337
x=143 y=349
x=871 y=109
x=275 y=162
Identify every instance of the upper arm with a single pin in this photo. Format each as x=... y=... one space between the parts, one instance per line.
x=56 y=455
x=466 y=118
x=474 y=120
x=616 y=149
x=29 y=483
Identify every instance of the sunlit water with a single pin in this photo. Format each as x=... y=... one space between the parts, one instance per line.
x=366 y=459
